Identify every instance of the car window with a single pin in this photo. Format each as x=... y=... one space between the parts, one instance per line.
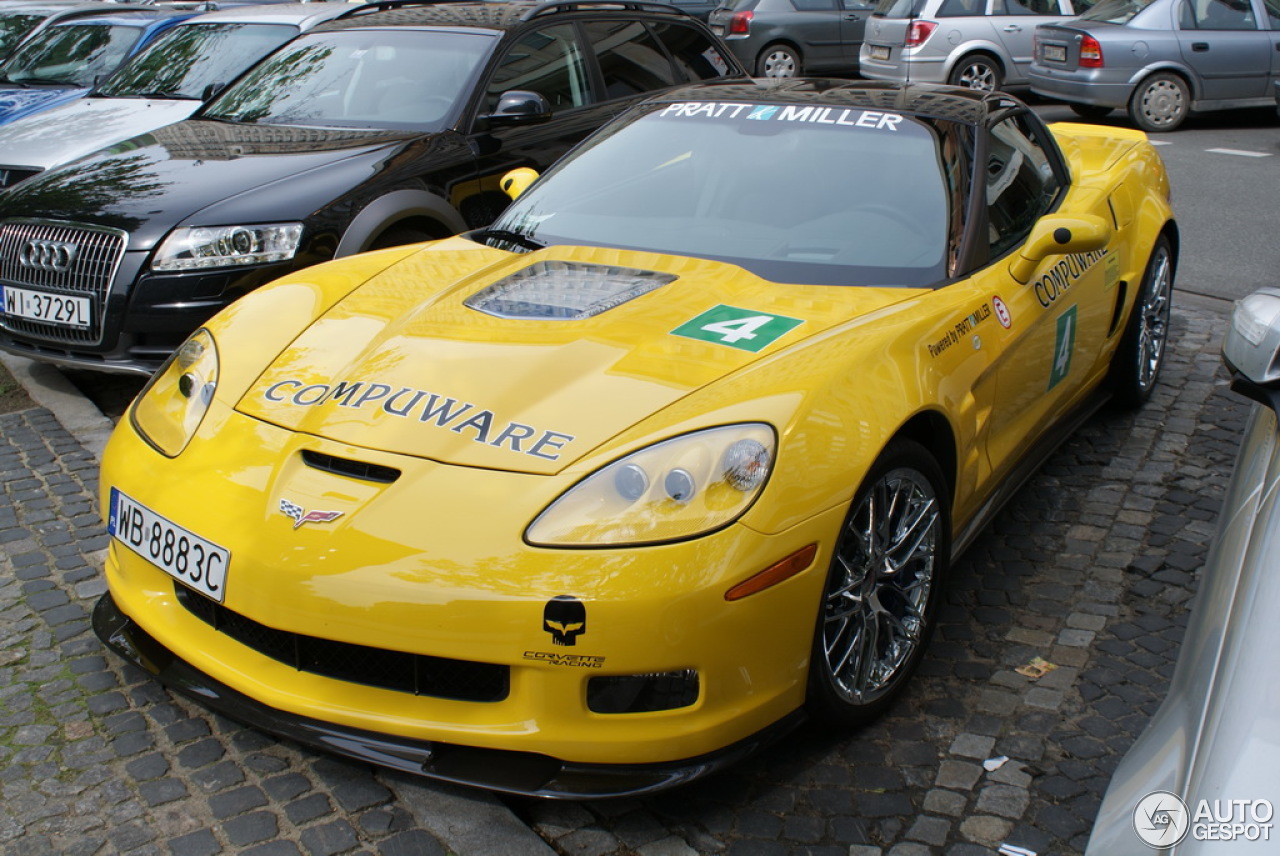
x=695 y=55
x=1029 y=7
x=13 y=28
x=376 y=78
x=912 y=8
x=1217 y=15
x=182 y=62
x=814 y=5
x=1273 y=13
x=1116 y=11
x=631 y=60
x=1021 y=184
x=775 y=189
x=549 y=61
x=74 y=54
x=963 y=8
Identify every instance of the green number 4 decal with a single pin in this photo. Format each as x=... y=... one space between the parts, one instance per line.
x=737 y=328
x=1062 y=349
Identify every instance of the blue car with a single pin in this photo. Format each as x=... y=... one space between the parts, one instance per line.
x=65 y=61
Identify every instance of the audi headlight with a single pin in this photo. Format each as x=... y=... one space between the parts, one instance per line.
x=197 y=247
x=679 y=488
x=169 y=409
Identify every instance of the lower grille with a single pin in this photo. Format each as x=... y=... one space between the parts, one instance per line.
x=60 y=258
x=460 y=680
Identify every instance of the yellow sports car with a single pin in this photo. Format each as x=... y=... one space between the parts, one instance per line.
x=674 y=454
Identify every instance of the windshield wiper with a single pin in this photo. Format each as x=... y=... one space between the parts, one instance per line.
x=519 y=238
x=160 y=95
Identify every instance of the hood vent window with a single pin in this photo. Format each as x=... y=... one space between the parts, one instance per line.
x=564 y=291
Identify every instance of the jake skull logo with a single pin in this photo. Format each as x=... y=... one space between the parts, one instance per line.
x=565 y=618
x=301 y=515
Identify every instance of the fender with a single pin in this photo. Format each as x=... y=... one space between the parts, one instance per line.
x=395 y=206
x=976 y=46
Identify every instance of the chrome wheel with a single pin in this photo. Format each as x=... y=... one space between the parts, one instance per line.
x=1153 y=316
x=1137 y=361
x=977 y=72
x=1160 y=103
x=875 y=609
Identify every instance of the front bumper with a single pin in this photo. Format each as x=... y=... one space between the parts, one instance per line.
x=523 y=773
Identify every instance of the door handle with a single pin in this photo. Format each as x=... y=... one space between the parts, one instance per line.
x=859 y=18
x=1013 y=28
x=1203 y=47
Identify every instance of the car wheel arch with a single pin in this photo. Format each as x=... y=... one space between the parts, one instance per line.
x=967 y=52
x=932 y=430
x=399 y=208
x=773 y=44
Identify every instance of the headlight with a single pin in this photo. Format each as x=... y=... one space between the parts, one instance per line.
x=679 y=488
x=195 y=247
x=169 y=409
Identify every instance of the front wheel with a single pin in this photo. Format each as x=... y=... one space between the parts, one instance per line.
x=1160 y=103
x=882 y=589
x=977 y=71
x=778 y=61
x=1138 y=359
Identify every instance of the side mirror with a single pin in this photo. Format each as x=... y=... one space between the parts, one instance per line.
x=1060 y=235
x=208 y=93
x=517 y=181
x=518 y=106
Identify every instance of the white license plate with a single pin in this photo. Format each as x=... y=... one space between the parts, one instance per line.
x=879 y=51
x=60 y=309
x=179 y=552
x=718 y=29
x=1055 y=53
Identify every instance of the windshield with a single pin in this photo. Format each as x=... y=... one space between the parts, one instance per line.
x=185 y=61
x=13 y=28
x=1115 y=11
x=358 y=79
x=71 y=54
x=794 y=193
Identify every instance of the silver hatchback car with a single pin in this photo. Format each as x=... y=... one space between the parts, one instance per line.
x=980 y=44
x=1161 y=59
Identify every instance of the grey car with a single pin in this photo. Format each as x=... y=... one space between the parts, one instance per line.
x=786 y=38
x=1202 y=778
x=980 y=44
x=1161 y=59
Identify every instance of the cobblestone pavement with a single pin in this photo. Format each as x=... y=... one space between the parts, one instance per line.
x=1092 y=568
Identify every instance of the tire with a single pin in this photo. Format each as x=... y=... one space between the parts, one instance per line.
x=1135 y=367
x=1090 y=112
x=1160 y=103
x=778 y=60
x=886 y=615
x=977 y=71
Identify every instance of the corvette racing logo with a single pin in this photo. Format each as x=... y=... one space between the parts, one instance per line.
x=301 y=515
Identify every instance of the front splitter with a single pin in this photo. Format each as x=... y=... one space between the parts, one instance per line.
x=504 y=771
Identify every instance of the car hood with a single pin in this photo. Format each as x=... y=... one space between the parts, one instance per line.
x=417 y=361
x=82 y=127
x=15 y=102
x=150 y=183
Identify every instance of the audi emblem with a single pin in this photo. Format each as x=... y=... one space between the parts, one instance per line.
x=55 y=256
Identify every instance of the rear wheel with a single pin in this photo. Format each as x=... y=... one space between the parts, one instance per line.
x=1136 y=364
x=778 y=61
x=1090 y=112
x=882 y=589
x=1160 y=103
x=977 y=71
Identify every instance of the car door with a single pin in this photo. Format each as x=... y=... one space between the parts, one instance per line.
x=819 y=27
x=557 y=63
x=1015 y=22
x=1053 y=327
x=1221 y=42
